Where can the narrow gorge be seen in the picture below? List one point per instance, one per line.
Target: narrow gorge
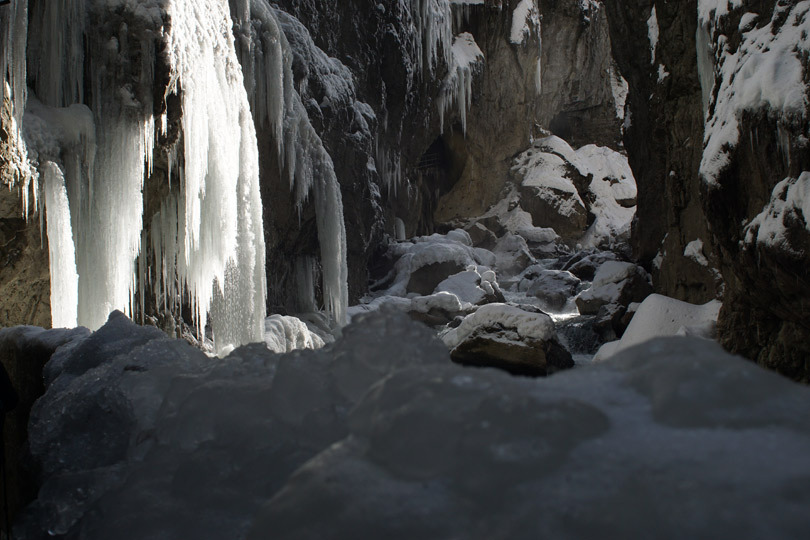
(404, 268)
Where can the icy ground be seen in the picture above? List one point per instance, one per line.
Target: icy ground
(380, 435)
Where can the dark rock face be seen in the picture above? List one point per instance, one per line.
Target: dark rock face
(664, 142)
(573, 97)
(765, 290)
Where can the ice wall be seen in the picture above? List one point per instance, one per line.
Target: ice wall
(219, 237)
(207, 240)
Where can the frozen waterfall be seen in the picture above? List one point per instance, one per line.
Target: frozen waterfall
(207, 239)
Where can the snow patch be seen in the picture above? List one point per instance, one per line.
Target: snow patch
(694, 251)
(659, 316)
(652, 33)
(525, 17)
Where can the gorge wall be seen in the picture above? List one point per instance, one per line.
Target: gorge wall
(718, 145)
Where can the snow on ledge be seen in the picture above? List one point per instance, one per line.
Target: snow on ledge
(790, 196)
(524, 16)
(765, 72)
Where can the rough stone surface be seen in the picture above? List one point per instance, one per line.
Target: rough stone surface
(575, 100)
(484, 349)
(664, 142)
(765, 291)
(25, 284)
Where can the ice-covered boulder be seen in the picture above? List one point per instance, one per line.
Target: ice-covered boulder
(660, 439)
(509, 338)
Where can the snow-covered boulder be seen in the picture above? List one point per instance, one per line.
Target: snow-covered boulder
(509, 338)
(612, 195)
(571, 190)
(472, 287)
(480, 235)
(419, 265)
(436, 309)
(660, 316)
(548, 192)
(543, 241)
(615, 283)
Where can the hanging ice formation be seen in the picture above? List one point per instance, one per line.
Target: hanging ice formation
(13, 91)
(434, 31)
(64, 279)
(267, 64)
(207, 240)
(457, 85)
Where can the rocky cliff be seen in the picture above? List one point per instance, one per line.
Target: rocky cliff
(654, 45)
(718, 144)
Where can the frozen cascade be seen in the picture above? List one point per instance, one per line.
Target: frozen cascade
(208, 240)
(219, 236)
(266, 54)
(457, 85)
(434, 30)
(64, 279)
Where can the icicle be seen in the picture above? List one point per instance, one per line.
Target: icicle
(332, 236)
(64, 279)
(14, 42)
(434, 29)
(305, 297)
(457, 85)
(538, 75)
(13, 91)
(301, 153)
(220, 233)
